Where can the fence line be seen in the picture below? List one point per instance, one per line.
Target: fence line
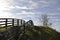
(15, 31)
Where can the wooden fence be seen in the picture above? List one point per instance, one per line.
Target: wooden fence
(11, 28)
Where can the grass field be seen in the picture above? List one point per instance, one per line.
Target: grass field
(5, 28)
(41, 33)
(37, 33)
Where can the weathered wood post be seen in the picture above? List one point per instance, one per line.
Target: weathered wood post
(21, 22)
(6, 23)
(24, 27)
(18, 22)
(23, 30)
(6, 36)
(13, 22)
(17, 30)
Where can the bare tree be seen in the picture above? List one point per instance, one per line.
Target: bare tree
(45, 19)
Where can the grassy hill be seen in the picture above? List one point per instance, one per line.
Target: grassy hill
(38, 33)
(41, 33)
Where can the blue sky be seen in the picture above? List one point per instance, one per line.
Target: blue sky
(32, 10)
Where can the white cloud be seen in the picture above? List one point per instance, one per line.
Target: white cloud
(23, 7)
(24, 12)
(11, 7)
(33, 4)
(45, 3)
(25, 15)
(30, 4)
(4, 5)
(58, 8)
(7, 15)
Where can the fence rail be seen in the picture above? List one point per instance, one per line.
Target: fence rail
(13, 32)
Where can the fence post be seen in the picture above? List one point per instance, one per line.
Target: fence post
(18, 22)
(24, 26)
(6, 36)
(6, 22)
(17, 30)
(21, 22)
(13, 22)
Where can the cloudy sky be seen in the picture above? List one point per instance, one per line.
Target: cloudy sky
(32, 10)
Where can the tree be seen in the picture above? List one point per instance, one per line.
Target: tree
(45, 19)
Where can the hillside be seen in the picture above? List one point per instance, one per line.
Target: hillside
(40, 33)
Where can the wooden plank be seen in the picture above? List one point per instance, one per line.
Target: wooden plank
(6, 22)
(21, 22)
(13, 22)
(9, 23)
(18, 22)
(2, 24)
(7, 18)
(2, 21)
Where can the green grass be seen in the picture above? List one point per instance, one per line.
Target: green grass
(41, 33)
(37, 33)
(5, 28)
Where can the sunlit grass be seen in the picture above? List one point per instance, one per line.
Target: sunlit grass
(8, 28)
(5, 28)
(2, 29)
